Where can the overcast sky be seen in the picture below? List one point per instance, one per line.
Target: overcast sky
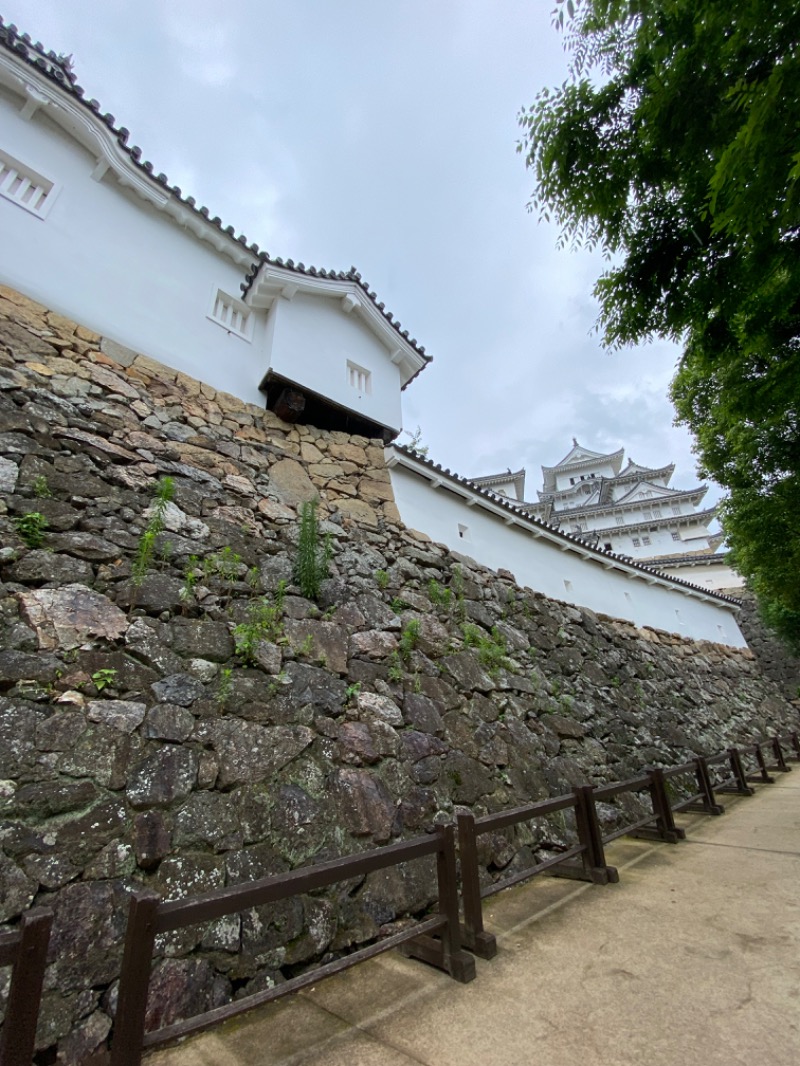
(382, 134)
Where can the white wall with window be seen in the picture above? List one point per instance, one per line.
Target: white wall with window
(101, 255)
(335, 355)
(25, 187)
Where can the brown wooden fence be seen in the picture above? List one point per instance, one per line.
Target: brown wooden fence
(658, 823)
(437, 939)
(25, 951)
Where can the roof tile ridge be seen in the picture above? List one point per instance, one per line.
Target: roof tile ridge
(351, 275)
(508, 505)
(63, 75)
(65, 78)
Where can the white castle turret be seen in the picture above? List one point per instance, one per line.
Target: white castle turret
(628, 509)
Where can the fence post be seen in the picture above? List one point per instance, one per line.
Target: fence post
(794, 740)
(710, 805)
(18, 1039)
(740, 784)
(780, 761)
(594, 857)
(475, 937)
(137, 959)
(762, 765)
(457, 962)
(662, 808)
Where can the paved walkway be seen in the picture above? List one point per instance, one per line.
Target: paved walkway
(694, 957)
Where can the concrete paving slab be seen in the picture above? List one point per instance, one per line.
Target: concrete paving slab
(693, 956)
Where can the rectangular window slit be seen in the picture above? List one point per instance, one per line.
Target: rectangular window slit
(231, 314)
(359, 379)
(24, 187)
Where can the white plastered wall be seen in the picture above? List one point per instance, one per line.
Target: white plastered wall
(714, 576)
(313, 342)
(109, 260)
(561, 574)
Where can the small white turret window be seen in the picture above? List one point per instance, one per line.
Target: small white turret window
(359, 379)
(25, 187)
(231, 314)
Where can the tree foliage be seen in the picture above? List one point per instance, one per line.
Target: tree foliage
(674, 146)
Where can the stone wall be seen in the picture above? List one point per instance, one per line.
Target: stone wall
(773, 656)
(138, 747)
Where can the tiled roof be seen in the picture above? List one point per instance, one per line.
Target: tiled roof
(670, 496)
(58, 69)
(690, 559)
(515, 509)
(502, 478)
(351, 275)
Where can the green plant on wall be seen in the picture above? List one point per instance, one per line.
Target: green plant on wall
(491, 647)
(351, 692)
(305, 649)
(31, 528)
(409, 638)
(146, 548)
(395, 671)
(190, 576)
(314, 552)
(40, 488)
(264, 622)
(224, 687)
(104, 678)
(439, 595)
(226, 565)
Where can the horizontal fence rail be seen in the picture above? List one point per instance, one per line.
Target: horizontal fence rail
(589, 850)
(438, 939)
(703, 798)
(723, 772)
(148, 916)
(25, 951)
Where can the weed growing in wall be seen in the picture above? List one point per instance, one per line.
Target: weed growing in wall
(225, 686)
(313, 552)
(264, 623)
(409, 638)
(491, 648)
(190, 576)
(415, 442)
(40, 488)
(225, 565)
(146, 548)
(31, 528)
(351, 692)
(304, 650)
(395, 672)
(440, 596)
(104, 678)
